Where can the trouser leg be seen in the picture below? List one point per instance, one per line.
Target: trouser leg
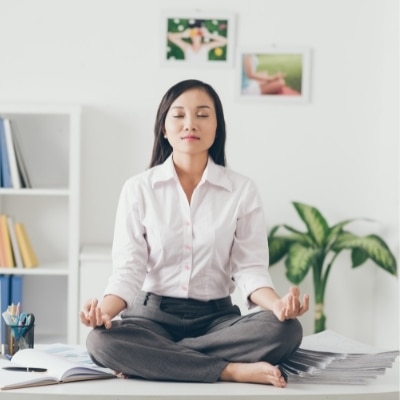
(143, 349)
(254, 337)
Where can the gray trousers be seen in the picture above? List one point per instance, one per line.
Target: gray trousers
(188, 340)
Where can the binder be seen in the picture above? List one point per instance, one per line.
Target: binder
(4, 302)
(15, 289)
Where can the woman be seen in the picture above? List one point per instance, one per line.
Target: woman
(260, 82)
(196, 41)
(188, 230)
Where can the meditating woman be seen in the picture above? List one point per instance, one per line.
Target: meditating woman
(189, 230)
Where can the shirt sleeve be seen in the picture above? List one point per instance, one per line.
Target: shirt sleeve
(249, 255)
(129, 250)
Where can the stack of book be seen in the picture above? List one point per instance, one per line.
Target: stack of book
(16, 249)
(13, 172)
(329, 358)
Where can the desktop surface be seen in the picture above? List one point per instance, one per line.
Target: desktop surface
(385, 387)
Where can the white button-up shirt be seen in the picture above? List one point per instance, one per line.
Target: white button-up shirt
(165, 245)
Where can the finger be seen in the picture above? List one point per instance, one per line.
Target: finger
(294, 306)
(295, 291)
(107, 323)
(306, 304)
(99, 317)
(83, 318)
(280, 311)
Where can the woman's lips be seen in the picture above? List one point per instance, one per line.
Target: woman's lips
(190, 137)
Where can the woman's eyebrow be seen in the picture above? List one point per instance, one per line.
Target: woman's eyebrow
(181, 107)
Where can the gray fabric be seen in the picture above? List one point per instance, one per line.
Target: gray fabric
(193, 343)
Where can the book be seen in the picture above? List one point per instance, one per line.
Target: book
(22, 169)
(14, 243)
(58, 370)
(29, 257)
(5, 165)
(5, 243)
(12, 159)
(330, 358)
(3, 260)
(4, 303)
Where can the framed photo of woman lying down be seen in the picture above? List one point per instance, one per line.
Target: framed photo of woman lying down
(274, 74)
(198, 38)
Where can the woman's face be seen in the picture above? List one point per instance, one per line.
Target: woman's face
(191, 123)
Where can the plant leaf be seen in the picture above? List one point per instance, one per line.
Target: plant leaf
(273, 230)
(372, 245)
(278, 247)
(316, 224)
(301, 237)
(336, 229)
(358, 257)
(298, 262)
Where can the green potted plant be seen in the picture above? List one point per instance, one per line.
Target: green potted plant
(318, 247)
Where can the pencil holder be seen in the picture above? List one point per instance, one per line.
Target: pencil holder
(18, 338)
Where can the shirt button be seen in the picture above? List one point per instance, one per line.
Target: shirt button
(187, 267)
(187, 247)
(184, 288)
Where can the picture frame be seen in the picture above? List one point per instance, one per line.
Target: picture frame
(198, 38)
(274, 74)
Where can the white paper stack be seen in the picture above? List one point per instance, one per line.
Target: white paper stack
(329, 358)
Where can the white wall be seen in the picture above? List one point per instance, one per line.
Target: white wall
(339, 152)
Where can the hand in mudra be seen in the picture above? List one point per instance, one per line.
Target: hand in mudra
(289, 306)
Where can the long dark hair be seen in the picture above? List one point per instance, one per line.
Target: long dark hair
(161, 147)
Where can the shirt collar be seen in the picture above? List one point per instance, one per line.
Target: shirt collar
(215, 174)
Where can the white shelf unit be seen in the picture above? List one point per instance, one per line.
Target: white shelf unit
(49, 137)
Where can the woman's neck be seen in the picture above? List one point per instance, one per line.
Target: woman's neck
(190, 171)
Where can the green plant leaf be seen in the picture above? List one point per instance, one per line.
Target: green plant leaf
(273, 230)
(335, 230)
(316, 224)
(358, 257)
(298, 261)
(300, 237)
(278, 247)
(372, 245)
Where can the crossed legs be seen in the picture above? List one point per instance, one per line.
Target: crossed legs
(233, 348)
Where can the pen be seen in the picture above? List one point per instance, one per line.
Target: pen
(25, 369)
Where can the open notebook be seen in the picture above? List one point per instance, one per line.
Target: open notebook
(58, 369)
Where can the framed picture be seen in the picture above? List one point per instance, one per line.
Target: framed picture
(198, 38)
(274, 74)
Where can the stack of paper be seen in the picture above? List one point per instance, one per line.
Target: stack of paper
(329, 358)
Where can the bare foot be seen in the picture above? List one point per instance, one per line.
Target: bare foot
(120, 375)
(259, 372)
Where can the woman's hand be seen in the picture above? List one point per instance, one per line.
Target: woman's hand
(92, 315)
(289, 306)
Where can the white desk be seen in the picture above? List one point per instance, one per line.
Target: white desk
(384, 388)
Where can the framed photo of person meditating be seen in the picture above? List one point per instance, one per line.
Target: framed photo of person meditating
(274, 74)
(197, 38)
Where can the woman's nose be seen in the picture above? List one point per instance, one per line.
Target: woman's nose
(190, 124)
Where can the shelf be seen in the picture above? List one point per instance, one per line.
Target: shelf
(34, 192)
(49, 139)
(39, 109)
(48, 269)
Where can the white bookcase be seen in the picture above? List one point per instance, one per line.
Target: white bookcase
(49, 137)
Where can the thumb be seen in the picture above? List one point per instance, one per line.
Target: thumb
(279, 311)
